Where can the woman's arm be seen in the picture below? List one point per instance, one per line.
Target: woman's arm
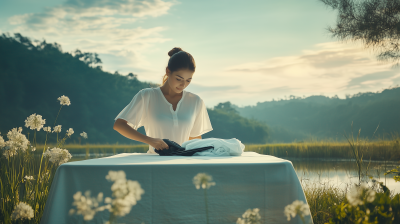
(199, 137)
(121, 126)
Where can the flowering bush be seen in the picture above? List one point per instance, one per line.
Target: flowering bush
(364, 205)
(25, 175)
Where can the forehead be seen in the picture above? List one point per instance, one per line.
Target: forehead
(184, 73)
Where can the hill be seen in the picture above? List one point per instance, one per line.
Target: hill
(321, 117)
(34, 74)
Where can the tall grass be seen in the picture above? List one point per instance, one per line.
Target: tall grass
(377, 150)
(383, 150)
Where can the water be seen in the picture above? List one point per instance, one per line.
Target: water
(338, 173)
(342, 173)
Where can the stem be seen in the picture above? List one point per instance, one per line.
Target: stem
(205, 197)
(57, 116)
(112, 218)
(40, 166)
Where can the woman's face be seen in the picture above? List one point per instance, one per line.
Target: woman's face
(179, 80)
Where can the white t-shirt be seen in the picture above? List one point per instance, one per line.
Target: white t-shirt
(150, 108)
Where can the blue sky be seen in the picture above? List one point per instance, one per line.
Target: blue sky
(246, 51)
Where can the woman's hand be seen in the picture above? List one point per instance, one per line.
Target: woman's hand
(158, 144)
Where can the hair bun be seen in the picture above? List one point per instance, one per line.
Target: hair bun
(174, 51)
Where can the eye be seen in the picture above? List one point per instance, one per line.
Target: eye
(178, 79)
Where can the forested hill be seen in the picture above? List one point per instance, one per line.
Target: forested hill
(323, 117)
(34, 74)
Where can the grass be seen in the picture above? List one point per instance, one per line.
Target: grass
(387, 150)
(379, 150)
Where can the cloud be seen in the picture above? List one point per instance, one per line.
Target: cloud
(101, 26)
(330, 69)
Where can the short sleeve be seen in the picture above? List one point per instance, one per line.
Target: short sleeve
(134, 113)
(202, 123)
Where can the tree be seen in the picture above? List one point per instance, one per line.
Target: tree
(88, 58)
(227, 107)
(374, 22)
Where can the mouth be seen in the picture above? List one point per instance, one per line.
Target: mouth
(178, 89)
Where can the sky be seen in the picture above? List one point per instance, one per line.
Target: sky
(245, 51)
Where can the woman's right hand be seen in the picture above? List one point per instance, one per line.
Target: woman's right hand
(158, 144)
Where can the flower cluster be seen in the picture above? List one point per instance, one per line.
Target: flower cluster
(126, 193)
(251, 216)
(2, 142)
(57, 155)
(22, 211)
(57, 129)
(35, 122)
(84, 135)
(28, 178)
(297, 208)
(47, 129)
(16, 141)
(64, 100)
(356, 195)
(203, 180)
(70, 131)
(87, 206)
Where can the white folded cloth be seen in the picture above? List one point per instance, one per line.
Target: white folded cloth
(222, 147)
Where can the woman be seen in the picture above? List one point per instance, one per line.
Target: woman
(168, 111)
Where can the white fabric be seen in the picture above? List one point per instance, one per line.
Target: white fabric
(222, 147)
(242, 182)
(150, 108)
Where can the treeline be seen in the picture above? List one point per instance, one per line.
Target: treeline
(34, 74)
(320, 117)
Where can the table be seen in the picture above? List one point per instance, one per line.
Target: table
(242, 182)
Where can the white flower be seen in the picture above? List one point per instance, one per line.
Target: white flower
(35, 122)
(203, 180)
(64, 100)
(47, 129)
(57, 129)
(297, 208)
(33, 149)
(126, 193)
(70, 131)
(251, 216)
(28, 178)
(84, 135)
(22, 211)
(87, 206)
(2, 143)
(355, 195)
(16, 141)
(57, 155)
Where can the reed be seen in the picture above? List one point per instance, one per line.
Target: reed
(385, 150)
(321, 197)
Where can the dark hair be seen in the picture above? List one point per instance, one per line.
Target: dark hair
(178, 60)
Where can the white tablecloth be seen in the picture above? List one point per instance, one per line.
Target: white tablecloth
(242, 182)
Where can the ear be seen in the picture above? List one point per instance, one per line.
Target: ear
(167, 71)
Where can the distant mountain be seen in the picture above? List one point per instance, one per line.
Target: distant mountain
(321, 117)
(34, 74)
